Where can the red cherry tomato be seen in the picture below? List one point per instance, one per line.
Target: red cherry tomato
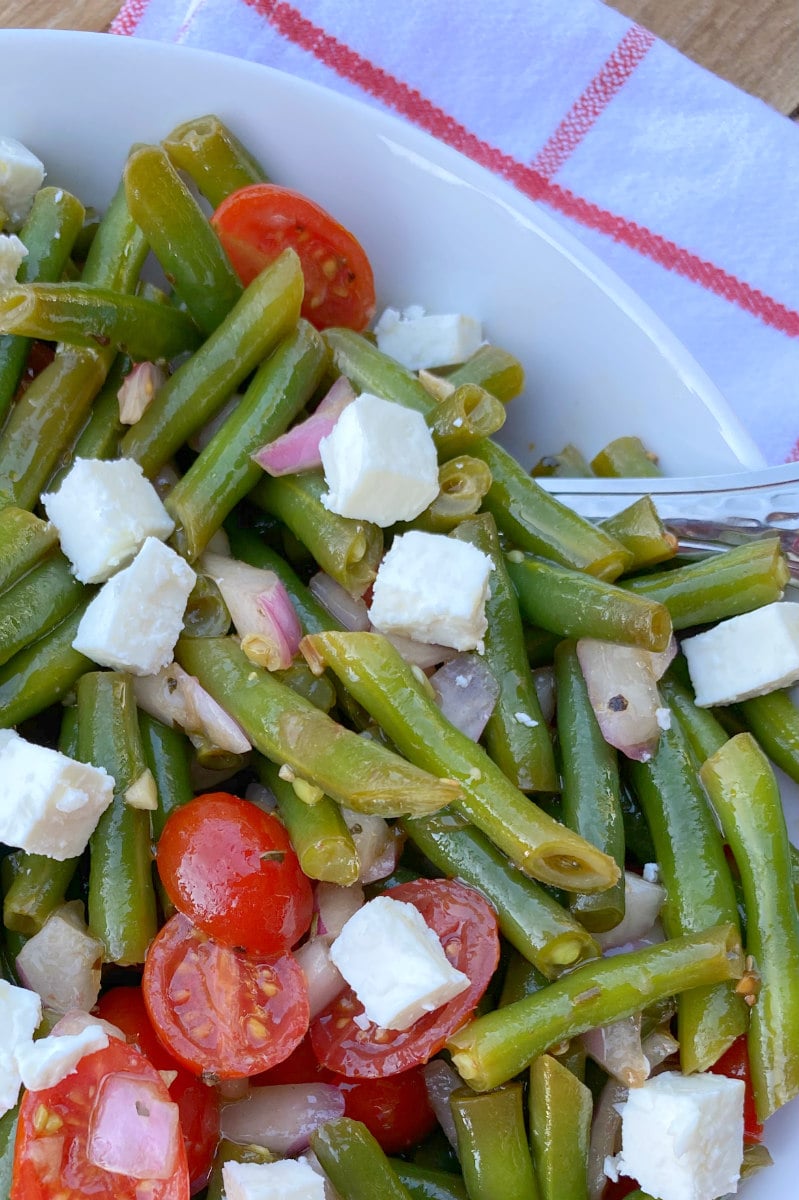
(50, 1153)
(617, 1191)
(198, 1103)
(735, 1063)
(467, 927)
(220, 1012)
(231, 869)
(301, 1066)
(256, 223)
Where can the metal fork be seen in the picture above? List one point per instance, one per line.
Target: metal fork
(705, 513)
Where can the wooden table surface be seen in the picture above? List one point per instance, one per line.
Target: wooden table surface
(753, 43)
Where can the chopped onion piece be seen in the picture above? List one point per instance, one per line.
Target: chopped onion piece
(350, 611)
(441, 1079)
(544, 682)
(258, 793)
(617, 1049)
(321, 974)
(138, 390)
(282, 1117)
(298, 448)
(177, 698)
(420, 654)
(466, 691)
(642, 904)
(260, 608)
(45, 1155)
(605, 1140)
(662, 659)
(143, 792)
(377, 844)
(334, 906)
(76, 1020)
(438, 386)
(623, 692)
(62, 961)
(133, 1130)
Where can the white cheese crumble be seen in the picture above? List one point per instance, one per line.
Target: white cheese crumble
(422, 340)
(286, 1179)
(21, 176)
(745, 656)
(12, 252)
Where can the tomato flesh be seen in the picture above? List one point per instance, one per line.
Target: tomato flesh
(735, 1063)
(50, 1153)
(231, 869)
(198, 1103)
(467, 928)
(219, 1012)
(256, 223)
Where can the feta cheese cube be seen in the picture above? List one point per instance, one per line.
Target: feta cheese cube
(49, 803)
(286, 1179)
(45, 1063)
(12, 252)
(682, 1136)
(22, 1012)
(21, 176)
(380, 462)
(135, 619)
(395, 963)
(432, 588)
(419, 340)
(103, 512)
(745, 656)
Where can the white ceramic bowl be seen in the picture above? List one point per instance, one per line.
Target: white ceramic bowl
(440, 231)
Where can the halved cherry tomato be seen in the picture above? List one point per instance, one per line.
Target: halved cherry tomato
(198, 1103)
(219, 1012)
(735, 1063)
(621, 1188)
(467, 927)
(231, 869)
(50, 1154)
(256, 223)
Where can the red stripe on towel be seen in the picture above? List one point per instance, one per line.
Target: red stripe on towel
(128, 17)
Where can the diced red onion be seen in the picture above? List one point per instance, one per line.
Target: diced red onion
(298, 448)
(62, 961)
(350, 611)
(544, 681)
(377, 844)
(46, 1154)
(133, 1130)
(642, 904)
(662, 659)
(260, 794)
(76, 1020)
(203, 435)
(420, 654)
(283, 1117)
(441, 1079)
(321, 975)
(467, 692)
(658, 1046)
(315, 1165)
(617, 1049)
(624, 696)
(605, 1135)
(177, 698)
(233, 1089)
(334, 906)
(138, 390)
(260, 608)
(165, 479)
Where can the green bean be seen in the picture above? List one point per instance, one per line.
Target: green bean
(493, 1048)
(494, 369)
(516, 734)
(774, 721)
(626, 456)
(571, 463)
(318, 832)
(99, 437)
(373, 672)
(699, 889)
(122, 911)
(224, 472)
(228, 1151)
(425, 1183)
(529, 918)
(540, 646)
(84, 315)
(573, 604)
(206, 613)
(36, 604)
(468, 414)
(354, 1163)
(492, 1144)
(521, 979)
(529, 516)
(167, 753)
(746, 799)
(723, 585)
(249, 547)
(639, 528)
(268, 309)
(181, 237)
(318, 689)
(589, 787)
(289, 730)
(703, 732)
(347, 549)
(24, 541)
(118, 250)
(48, 235)
(462, 484)
(43, 673)
(214, 158)
(561, 1108)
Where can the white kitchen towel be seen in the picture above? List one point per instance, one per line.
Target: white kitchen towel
(686, 186)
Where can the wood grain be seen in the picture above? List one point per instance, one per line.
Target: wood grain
(58, 14)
